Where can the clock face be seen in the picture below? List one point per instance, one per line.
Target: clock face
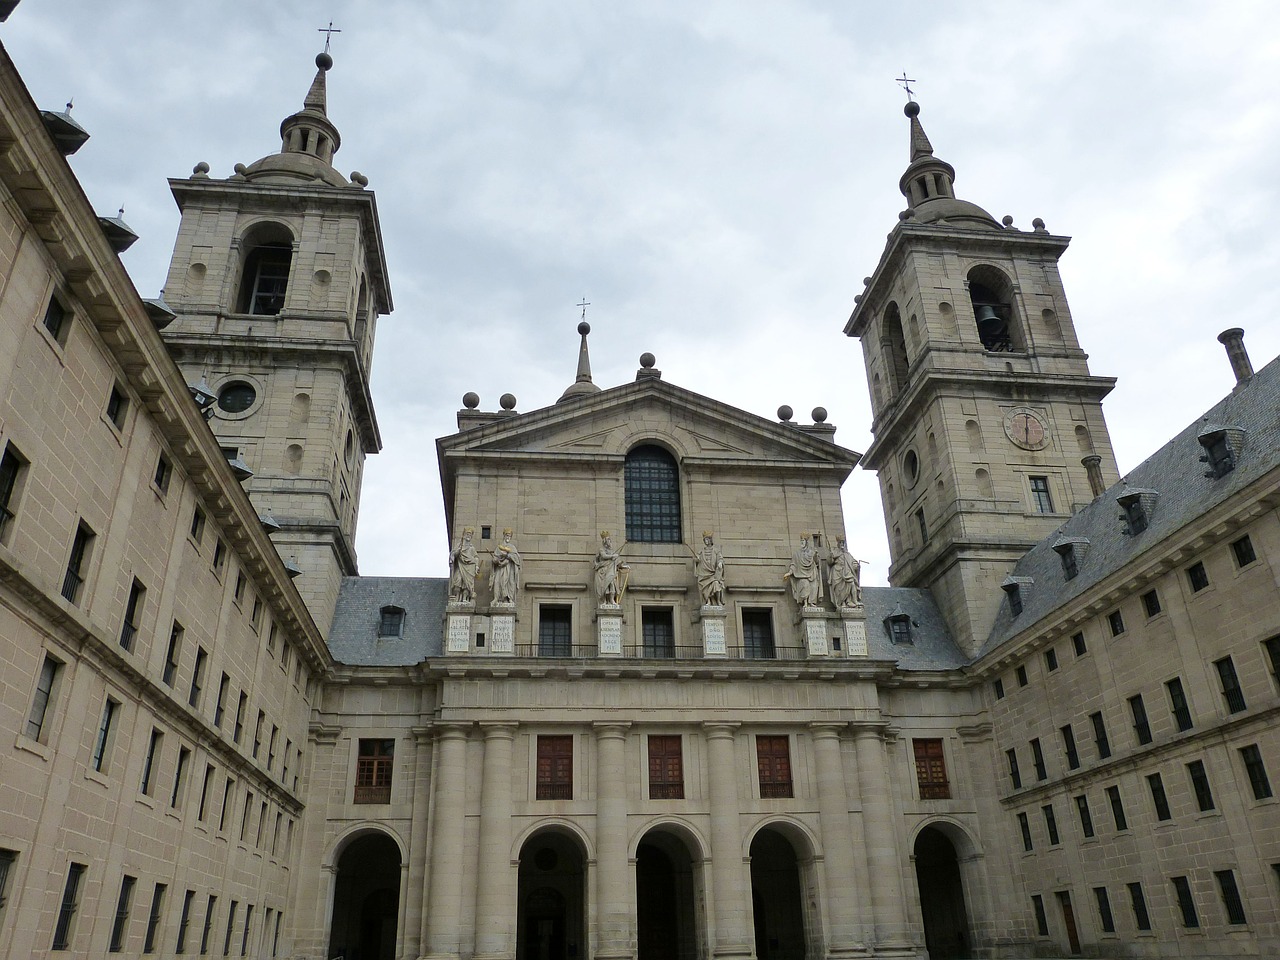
(1026, 429)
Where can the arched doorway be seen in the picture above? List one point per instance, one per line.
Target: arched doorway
(366, 900)
(551, 910)
(946, 928)
(667, 901)
(776, 899)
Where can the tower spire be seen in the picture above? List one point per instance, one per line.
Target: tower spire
(582, 385)
(310, 131)
(929, 183)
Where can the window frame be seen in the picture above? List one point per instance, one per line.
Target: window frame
(931, 768)
(124, 904)
(13, 472)
(78, 561)
(658, 632)
(1159, 798)
(773, 766)
(1243, 552)
(56, 319)
(1041, 498)
(666, 766)
(555, 630)
(375, 770)
(72, 891)
(553, 771)
(653, 511)
(762, 645)
(45, 695)
(1256, 770)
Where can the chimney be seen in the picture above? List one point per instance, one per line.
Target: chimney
(1233, 340)
(1093, 467)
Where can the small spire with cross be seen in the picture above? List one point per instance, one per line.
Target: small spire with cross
(328, 32)
(584, 304)
(905, 82)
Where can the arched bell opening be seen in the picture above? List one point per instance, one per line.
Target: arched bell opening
(366, 900)
(991, 295)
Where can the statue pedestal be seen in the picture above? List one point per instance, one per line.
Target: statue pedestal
(502, 629)
(609, 630)
(457, 632)
(814, 625)
(854, 620)
(713, 643)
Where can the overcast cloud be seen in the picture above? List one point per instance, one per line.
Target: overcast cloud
(716, 178)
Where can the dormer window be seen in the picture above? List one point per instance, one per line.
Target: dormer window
(1217, 454)
(899, 626)
(391, 622)
(1071, 551)
(1012, 587)
(1134, 516)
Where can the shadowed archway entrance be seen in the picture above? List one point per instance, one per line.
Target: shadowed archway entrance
(776, 899)
(366, 900)
(551, 899)
(667, 901)
(946, 928)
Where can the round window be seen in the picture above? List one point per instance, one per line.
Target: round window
(911, 464)
(350, 446)
(236, 397)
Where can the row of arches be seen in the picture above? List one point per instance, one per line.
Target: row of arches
(552, 905)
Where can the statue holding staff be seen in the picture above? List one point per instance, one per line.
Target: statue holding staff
(709, 567)
(505, 576)
(610, 581)
(806, 583)
(464, 563)
(844, 575)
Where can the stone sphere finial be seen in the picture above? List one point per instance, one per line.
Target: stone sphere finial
(324, 61)
(785, 413)
(912, 109)
(200, 168)
(471, 399)
(584, 328)
(647, 360)
(240, 168)
(359, 178)
(819, 414)
(906, 214)
(508, 401)
(1038, 223)
(1007, 220)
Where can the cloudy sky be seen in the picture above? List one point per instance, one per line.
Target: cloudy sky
(716, 178)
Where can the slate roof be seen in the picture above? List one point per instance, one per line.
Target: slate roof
(931, 647)
(1183, 492)
(353, 638)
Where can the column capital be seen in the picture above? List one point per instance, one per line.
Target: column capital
(451, 730)
(498, 729)
(611, 729)
(870, 729)
(717, 729)
(827, 729)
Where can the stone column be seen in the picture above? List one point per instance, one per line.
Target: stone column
(615, 910)
(730, 878)
(880, 839)
(495, 876)
(837, 843)
(443, 906)
(417, 878)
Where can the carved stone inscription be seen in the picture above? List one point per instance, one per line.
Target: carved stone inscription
(459, 634)
(504, 634)
(610, 636)
(712, 637)
(855, 637)
(815, 635)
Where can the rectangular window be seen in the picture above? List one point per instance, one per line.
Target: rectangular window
(255, 617)
(1037, 757)
(1155, 783)
(219, 708)
(1024, 825)
(257, 734)
(238, 596)
(757, 634)
(555, 630)
(231, 925)
(284, 762)
(248, 925)
(1272, 647)
(271, 747)
(275, 833)
(153, 918)
(1070, 566)
(1042, 919)
(132, 614)
(70, 904)
(197, 524)
(1050, 824)
(1197, 577)
(1021, 674)
(240, 711)
(179, 776)
(658, 632)
(207, 931)
(219, 555)
(555, 768)
(245, 815)
(1256, 770)
(1178, 704)
(923, 526)
(374, 765)
(1151, 603)
(1086, 818)
(1141, 726)
(262, 822)
(7, 860)
(666, 767)
(171, 654)
(102, 744)
(1231, 901)
(78, 562)
(184, 919)
(1242, 549)
(1040, 495)
(57, 319)
(997, 686)
(1200, 784)
(1115, 620)
(1117, 808)
(931, 770)
(1051, 660)
(1139, 903)
(1231, 691)
(149, 764)
(204, 791)
(164, 470)
(1100, 735)
(1105, 919)
(275, 936)
(227, 789)
(773, 758)
(1014, 775)
(11, 470)
(1069, 747)
(197, 678)
(117, 406)
(1078, 644)
(42, 700)
(121, 922)
(1186, 902)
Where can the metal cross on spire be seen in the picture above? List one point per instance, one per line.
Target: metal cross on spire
(906, 82)
(328, 32)
(584, 304)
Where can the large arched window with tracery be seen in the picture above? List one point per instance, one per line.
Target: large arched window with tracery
(653, 495)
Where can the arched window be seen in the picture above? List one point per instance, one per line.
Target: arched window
(653, 496)
(894, 348)
(265, 277)
(992, 297)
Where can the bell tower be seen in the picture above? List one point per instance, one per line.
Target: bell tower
(986, 419)
(277, 279)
